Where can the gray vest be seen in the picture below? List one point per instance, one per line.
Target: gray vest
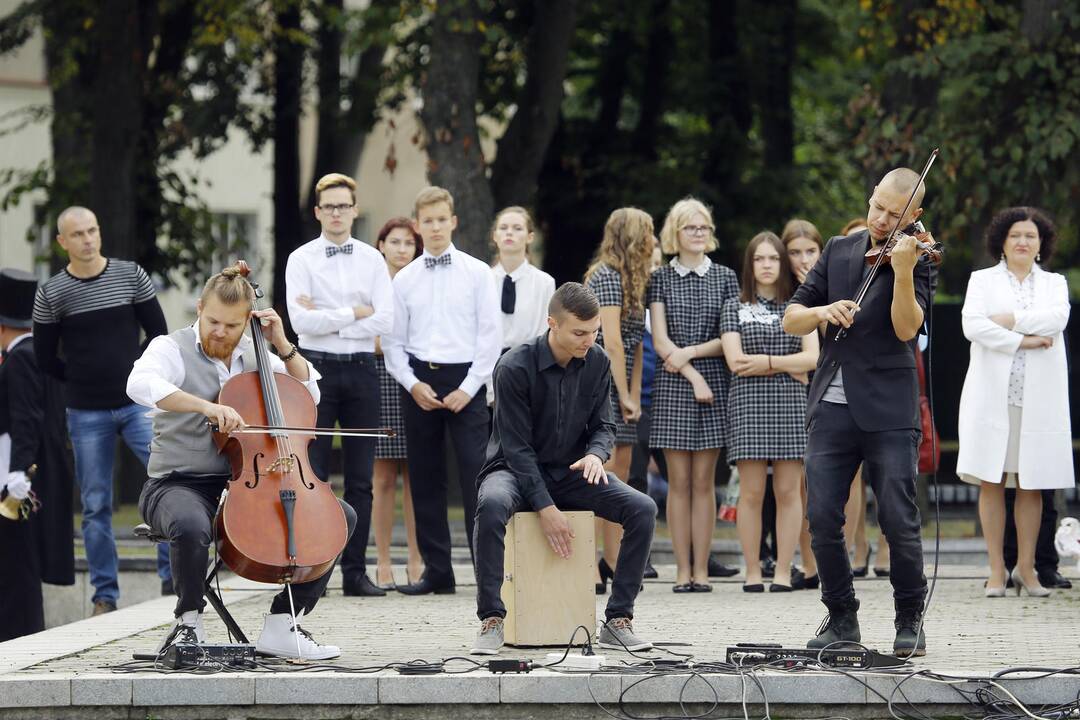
(182, 441)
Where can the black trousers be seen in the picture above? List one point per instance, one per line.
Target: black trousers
(182, 509)
(1046, 556)
(835, 448)
(21, 608)
(350, 397)
(425, 431)
(500, 498)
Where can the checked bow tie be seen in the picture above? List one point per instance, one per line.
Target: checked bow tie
(333, 250)
(430, 262)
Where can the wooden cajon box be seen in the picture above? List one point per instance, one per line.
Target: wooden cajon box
(547, 597)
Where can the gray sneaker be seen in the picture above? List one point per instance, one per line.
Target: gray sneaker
(618, 634)
(490, 638)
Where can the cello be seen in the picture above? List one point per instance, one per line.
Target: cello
(277, 522)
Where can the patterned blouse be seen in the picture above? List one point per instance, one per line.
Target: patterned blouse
(1024, 292)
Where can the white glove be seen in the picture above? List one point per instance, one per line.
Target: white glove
(18, 485)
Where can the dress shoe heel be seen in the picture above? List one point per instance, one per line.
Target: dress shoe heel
(863, 569)
(995, 592)
(1032, 590)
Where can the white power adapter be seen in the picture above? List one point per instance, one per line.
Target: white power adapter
(575, 661)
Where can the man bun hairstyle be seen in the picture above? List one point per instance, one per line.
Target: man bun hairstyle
(229, 286)
(575, 299)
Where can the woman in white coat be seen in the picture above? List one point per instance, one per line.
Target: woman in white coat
(1014, 314)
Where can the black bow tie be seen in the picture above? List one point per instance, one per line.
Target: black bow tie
(430, 262)
(333, 250)
(509, 295)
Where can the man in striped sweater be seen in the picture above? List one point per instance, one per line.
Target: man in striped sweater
(87, 321)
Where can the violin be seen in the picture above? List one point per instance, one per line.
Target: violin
(277, 521)
(882, 255)
(928, 253)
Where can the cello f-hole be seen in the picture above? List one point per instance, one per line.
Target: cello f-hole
(300, 467)
(255, 469)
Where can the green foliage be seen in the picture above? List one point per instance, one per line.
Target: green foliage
(1003, 106)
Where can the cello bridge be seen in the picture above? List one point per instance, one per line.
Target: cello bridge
(283, 464)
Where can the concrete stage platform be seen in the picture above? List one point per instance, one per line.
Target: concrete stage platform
(72, 671)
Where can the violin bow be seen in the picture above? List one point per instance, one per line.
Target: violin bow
(865, 286)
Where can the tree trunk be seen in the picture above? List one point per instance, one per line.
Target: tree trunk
(1039, 21)
(776, 58)
(117, 124)
(651, 99)
(524, 144)
(288, 70)
(726, 101)
(455, 160)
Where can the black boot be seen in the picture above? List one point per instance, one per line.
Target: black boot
(908, 622)
(840, 625)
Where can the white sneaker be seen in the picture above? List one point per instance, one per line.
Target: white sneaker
(187, 628)
(278, 639)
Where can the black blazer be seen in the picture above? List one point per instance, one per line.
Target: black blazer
(879, 377)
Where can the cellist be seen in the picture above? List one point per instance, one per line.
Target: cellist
(180, 375)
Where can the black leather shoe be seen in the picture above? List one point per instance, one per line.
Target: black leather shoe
(650, 572)
(841, 625)
(719, 569)
(361, 585)
(426, 587)
(1054, 579)
(907, 643)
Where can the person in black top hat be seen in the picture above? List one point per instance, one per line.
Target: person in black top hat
(35, 546)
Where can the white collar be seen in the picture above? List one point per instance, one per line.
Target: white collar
(16, 341)
(327, 241)
(701, 270)
(1035, 269)
(519, 271)
(449, 249)
(241, 346)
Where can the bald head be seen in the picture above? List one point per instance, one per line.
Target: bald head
(73, 213)
(902, 181)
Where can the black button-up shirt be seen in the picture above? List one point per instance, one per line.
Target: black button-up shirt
(548, 417)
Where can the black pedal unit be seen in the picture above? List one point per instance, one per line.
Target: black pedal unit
(181, 656)
(751, 654)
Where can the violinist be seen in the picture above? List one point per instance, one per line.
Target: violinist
(180, 376)
(863, 405)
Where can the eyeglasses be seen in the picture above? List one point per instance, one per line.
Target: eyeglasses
(334, 209)
(697, 229)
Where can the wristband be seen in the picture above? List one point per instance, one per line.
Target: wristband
(287, 358)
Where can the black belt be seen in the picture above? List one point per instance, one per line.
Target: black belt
(425, 364)
(338, 357)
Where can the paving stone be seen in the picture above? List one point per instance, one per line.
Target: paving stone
(26, 690)
(100, 690)
(438, 689)
(194, 690)
(548, 687)
(321, 689)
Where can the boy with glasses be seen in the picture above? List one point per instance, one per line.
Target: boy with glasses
(340, 299)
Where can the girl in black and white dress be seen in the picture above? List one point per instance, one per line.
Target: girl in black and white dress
(618, 275)
(689, 417)
(766, 404)
(400, 244)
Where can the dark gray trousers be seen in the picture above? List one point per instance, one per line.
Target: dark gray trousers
(499, 498)
(182, 510)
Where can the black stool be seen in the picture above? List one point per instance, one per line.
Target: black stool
(144, 531)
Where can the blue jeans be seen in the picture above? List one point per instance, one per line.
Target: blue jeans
(93, 440)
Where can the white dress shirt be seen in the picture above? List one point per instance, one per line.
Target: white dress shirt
(533, 288)
(446, 314)
(160, 371)
(337, 284)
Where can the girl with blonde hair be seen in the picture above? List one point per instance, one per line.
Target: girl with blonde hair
(689, 403)
(618, 276)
